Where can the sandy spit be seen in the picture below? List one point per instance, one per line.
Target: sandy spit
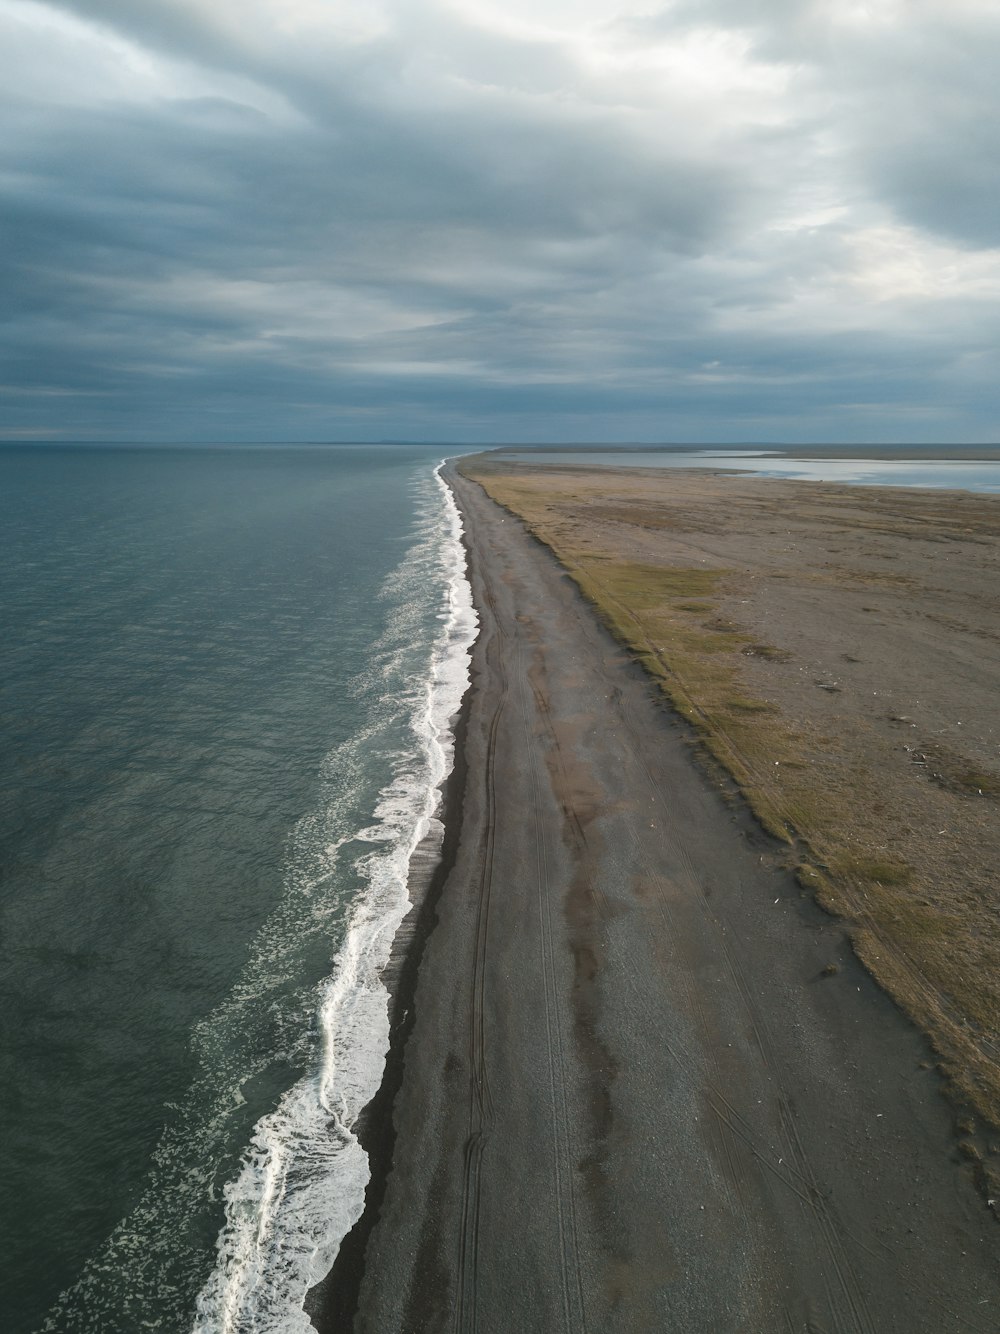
(629, 1098)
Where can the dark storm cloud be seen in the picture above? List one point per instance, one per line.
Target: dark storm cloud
(307, 221)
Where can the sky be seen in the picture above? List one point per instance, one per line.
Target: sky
(500, 220)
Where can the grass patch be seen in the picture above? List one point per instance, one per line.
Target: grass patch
(876, 870)
(971, 782)
(767, 651)
(648, 586)
(743, 704)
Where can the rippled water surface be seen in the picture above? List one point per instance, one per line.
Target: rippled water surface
(215, 664)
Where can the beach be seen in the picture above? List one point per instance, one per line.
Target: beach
(640, 1078)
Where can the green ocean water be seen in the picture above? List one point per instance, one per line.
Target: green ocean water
(215, 667)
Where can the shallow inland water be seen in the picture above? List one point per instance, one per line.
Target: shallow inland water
(970, 475)
(226, 680)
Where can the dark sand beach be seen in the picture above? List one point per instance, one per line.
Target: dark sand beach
(646, 1084)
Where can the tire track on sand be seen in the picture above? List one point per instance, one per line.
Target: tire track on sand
(847, 1299)
(574, 1306)
(852, 1312)
(504, 663)
(481, 1110)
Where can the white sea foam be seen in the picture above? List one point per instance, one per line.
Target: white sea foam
(301, 1184)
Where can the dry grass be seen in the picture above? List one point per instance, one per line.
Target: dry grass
(941, 964)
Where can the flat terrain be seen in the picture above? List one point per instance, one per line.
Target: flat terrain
(648, 1085)
(838, 649)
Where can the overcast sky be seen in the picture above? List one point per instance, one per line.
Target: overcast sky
(706, 220)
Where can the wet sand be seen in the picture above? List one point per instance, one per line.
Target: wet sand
(630, 1099)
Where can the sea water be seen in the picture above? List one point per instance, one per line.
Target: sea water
(228, 681)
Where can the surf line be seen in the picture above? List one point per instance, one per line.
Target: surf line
(301, 1185)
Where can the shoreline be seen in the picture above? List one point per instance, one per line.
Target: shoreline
(331, 1304)
(609, 1174)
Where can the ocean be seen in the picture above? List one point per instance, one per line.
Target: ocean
(228, 677)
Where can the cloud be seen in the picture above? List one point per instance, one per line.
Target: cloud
(771, 219)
